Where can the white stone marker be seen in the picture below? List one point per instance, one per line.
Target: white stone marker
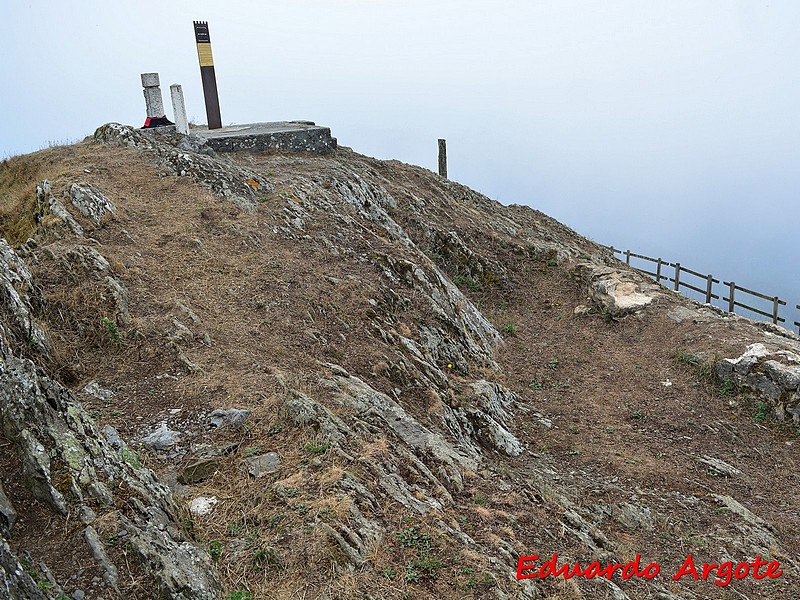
(179, 109)
(152, 95)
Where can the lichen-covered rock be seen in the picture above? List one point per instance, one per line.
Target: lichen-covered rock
(19, 295)
(90, 202)
(68, 464)
(8, 516)
(773, 374)
(15, 583)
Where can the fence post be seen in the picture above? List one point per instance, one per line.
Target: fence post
(731, 305)
(627, 257)
(443, 158)
(677, 276)
(797, 322)
(708, 288)
(658, 271)
(775, 310)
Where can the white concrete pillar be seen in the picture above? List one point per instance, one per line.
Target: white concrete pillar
(179, 109)
(152, 95)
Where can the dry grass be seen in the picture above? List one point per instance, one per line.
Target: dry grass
(266, 307)
(18, 178)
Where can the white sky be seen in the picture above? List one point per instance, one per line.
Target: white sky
(670, 128)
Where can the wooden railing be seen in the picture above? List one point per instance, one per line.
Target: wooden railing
(706, 288)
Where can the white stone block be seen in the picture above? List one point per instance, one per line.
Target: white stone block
(179, 109)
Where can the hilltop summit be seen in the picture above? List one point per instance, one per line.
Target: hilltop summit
(277, 375)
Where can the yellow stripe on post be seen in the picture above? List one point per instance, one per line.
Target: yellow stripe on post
(204, 54)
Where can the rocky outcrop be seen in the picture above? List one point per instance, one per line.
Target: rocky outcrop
(90, 202)
(614, 292)
(243, 187)
(70, 467)
(772, 374)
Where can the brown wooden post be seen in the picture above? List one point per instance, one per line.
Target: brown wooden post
(709, 283)
(658, 271)
(443, 158)
(677, 277)
(627, 257)
(731, 305)
(797, 322)
(207, 74)
(775, 301)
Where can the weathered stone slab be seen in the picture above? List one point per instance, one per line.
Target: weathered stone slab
(287, 136)
(265, 464)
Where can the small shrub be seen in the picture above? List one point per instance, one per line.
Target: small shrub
(389, 573)
(240, 595)
(481, 499)
(112, 331)
(509, 329)
(315, 448)
(762, 412)
(688, 358)
(536, 385)
(130, 457)
(412, 538)
(425, 565)
(728, 387)
(215, 549)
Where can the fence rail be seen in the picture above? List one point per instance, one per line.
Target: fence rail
(707, 289)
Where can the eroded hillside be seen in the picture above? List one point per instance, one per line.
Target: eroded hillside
(355, 379)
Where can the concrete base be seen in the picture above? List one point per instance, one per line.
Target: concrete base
(287, 136)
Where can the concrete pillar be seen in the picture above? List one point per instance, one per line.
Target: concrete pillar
(152, 95)
(179, 109)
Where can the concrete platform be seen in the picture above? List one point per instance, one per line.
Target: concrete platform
(287, 136)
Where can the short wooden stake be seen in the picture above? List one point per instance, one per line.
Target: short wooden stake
(677, 277)
(443, 158)
(731, 305)
(709, 283)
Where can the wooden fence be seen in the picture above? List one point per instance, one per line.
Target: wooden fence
(704, 285)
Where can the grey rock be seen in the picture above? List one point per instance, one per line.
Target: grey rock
(110, 573)
(119, 293)
(303, 410)
(719, 467)
(188, 311)
(93, 389)
(198, 471)
(15, 582)
(113, 437)
(161, 439)
(44, 199)
(632, 516)
(78, 595)
(18, 294)
(264, 464)
(88, 258)
(787, 377)
(772, 374)
(90, 202)
(86, 515)
(615, 292)
(232, 416)
(180, 569)
(8, 516)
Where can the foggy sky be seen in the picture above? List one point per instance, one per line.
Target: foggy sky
(669, 128)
